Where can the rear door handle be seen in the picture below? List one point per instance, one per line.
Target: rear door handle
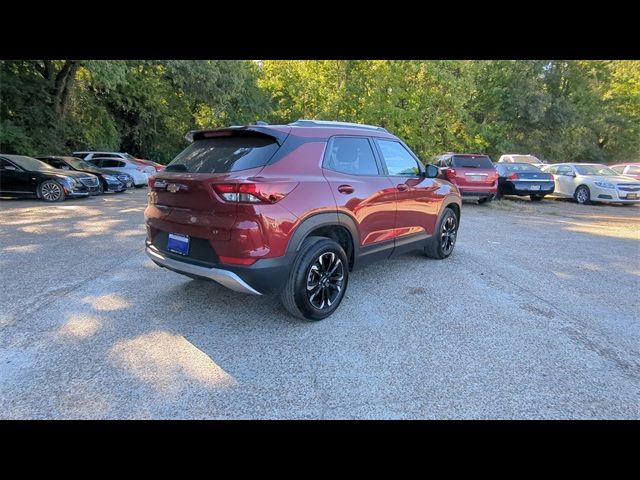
(345, 189)
(402, 187)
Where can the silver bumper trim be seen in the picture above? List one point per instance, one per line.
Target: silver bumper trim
(223, 277)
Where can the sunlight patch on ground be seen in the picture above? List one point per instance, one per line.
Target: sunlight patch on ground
(130, 233)
(80, 326)
(107, 302)
(631, 232)
(165, 361)
(135, 209)
(562, 274)
(32, 247)
(88, 229)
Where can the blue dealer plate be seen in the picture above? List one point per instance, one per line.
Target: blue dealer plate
(178, 244)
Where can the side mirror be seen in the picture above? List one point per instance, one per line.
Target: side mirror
(431, 171)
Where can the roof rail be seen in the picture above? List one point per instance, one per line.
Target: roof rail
(333, 124)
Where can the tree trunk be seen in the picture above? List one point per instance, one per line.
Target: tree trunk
(63, 84)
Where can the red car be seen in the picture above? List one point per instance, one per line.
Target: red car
(474, 174)
(628, 169)
(292, 209)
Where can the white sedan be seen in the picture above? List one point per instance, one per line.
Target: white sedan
(592, 182)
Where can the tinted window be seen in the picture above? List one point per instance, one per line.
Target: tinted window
(109, 163)
(564, 170)
(225, 154)
(524, 159)
(3, 163)
(472, 161)
(351, 155)
(595, 170)
(398, 160)
(28, 163)
(56, 163)
(80, 155)
(520, 167)
(551, 170)
(618, 169)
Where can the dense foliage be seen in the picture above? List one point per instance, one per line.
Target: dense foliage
(557, 110)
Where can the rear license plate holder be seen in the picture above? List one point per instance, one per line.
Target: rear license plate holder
(179, 244)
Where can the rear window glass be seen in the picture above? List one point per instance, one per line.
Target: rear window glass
(520, 167)
(633, 170)
(225, 154)
(472, 161)
(525, 159)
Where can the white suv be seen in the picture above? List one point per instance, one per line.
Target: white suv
(89, 155)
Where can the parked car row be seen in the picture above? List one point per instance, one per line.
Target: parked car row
(53, 178)
(477, 176)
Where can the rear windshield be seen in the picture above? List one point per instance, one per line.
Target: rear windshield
(472, 161)
(519, 167)
(225, 154)
(525, 159)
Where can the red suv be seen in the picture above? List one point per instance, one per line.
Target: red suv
(292, 209)
(474, 174)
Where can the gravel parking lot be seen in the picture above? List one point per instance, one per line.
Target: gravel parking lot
(535, 315)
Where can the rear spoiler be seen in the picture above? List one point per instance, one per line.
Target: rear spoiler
(278, 135)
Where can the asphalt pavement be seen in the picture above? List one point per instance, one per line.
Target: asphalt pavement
(535, 315)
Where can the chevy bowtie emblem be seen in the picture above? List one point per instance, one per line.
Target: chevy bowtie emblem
(173, 188)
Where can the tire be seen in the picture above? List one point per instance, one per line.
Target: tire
(317, 255)
(101, 188)
(51, 191)
(484, 200)
(582, 195)
(536, 198)
(498, 195)
(442, 241)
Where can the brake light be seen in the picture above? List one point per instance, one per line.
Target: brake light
(450, 172)
(254, 192)
(513, 176)
(151, 181)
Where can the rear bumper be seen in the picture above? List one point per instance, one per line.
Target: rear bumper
(524, 188)
(478, 193)
(223, 277)
(267, 275)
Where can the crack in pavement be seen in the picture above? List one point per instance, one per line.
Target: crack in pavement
(601, 347)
